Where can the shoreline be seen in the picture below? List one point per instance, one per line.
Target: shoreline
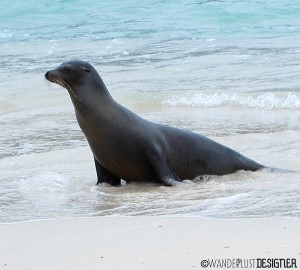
(144, 242)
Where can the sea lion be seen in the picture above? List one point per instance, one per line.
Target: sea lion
(126, 146)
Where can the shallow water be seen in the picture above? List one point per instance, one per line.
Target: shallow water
(45, 182)
(228, 70)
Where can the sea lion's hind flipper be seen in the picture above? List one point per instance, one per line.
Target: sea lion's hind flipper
(104, 175)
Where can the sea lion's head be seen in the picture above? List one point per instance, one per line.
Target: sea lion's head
(71, 75)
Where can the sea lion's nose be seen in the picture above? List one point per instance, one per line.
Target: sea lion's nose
(47, 74)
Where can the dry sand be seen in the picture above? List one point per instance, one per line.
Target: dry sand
(143, 242)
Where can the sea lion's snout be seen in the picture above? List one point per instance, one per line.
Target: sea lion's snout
(53, 76)
(49, 76)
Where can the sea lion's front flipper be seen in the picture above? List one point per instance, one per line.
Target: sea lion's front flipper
(105, 176)
(163, 171)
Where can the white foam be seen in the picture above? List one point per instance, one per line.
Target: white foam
(46, 182)
(266, 100)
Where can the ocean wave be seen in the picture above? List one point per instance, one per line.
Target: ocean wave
(267, 101)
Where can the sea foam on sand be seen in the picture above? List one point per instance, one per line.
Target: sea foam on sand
(144, 242)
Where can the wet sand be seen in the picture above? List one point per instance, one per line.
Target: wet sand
(143, 242)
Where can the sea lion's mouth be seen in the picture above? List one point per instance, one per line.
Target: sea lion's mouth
(49, 76)
(54, 78)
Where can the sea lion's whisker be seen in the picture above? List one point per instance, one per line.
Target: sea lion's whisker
(48, 84)
(63, 83)
(68, 86)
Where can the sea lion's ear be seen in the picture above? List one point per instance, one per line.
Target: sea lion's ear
(86, 70)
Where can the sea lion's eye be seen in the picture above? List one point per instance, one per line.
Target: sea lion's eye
(86, 70)
(66, 69)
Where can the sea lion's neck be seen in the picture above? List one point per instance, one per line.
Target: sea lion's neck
(93, 105)
(92, 95)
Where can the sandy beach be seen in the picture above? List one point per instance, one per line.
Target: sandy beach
(144, 242)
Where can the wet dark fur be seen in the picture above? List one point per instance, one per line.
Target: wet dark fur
(126, 146)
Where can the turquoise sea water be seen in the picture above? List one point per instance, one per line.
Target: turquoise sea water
(227, 69)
